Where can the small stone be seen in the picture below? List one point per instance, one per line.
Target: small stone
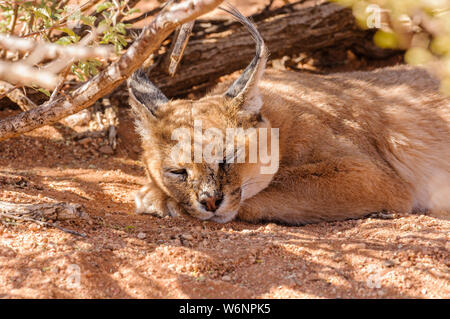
(33, 227)
(187, 236)
(388, 263)
(406, 264)
(85, 141)
(226, 278)
(106, 150)
(141, 235)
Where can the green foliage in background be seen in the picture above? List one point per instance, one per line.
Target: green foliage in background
(422, 27)
(54, 21)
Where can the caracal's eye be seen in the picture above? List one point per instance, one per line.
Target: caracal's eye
(178, 172)
(224, 166)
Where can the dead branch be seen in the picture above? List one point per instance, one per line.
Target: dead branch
(42, 214)
(174, 14)
(46, 211)
(178, 46)
(51, 50)
(21, 73)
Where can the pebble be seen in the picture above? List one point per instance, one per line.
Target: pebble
(106, 150)
(406, 264)
(388, 263)
(187, 236)
(226, 278)
(33, 227)
(85, 141)
(141, 235)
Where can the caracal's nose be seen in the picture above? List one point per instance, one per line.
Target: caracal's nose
(210, 203)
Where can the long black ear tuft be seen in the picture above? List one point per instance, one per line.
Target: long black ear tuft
(144, 95)
(244, 91)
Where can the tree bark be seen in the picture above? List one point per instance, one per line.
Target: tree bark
(220, 47)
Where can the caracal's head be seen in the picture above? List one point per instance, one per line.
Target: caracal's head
(208, 154)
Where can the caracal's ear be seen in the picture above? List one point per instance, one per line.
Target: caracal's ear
(244, 91)
(145, 97)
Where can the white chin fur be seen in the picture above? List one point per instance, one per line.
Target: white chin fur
(224, 219)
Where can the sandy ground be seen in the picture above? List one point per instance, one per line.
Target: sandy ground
(126, 255)
(129, 256)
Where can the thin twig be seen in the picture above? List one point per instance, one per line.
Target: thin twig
(176, 51)
(52, 50)
(14, 87)
(86, 6)
(61, 82)
(42, 223)
(14, 18)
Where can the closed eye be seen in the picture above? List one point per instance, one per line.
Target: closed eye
(177, 172)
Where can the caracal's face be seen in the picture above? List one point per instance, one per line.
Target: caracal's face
(212, 184)
(187, 143)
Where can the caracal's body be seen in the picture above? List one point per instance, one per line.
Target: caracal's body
(350, 144)
(355, 143)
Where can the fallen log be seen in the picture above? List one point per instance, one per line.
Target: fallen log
(220, 47)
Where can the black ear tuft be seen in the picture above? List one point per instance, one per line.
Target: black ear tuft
(144, 94)
(244, 91)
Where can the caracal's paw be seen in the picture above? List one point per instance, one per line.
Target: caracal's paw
(151, 200)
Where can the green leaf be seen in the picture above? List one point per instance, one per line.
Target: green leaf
(68, 31)
(88, 20)
(46, 92)
(103, 6)
(135, 10)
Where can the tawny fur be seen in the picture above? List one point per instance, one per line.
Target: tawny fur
(351, 144)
